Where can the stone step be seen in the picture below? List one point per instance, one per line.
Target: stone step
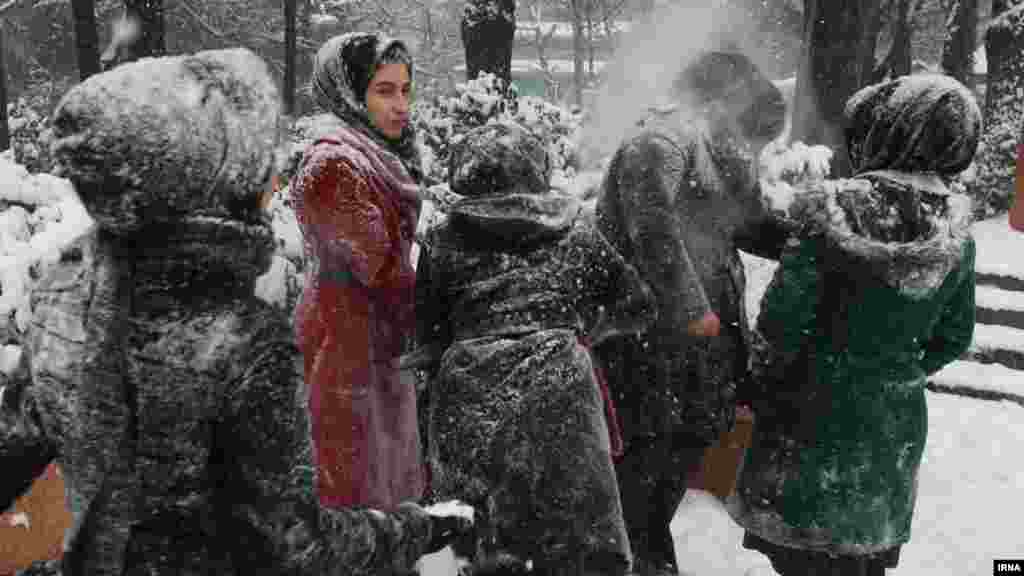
(997, 344)
(999, 280)
(978, 380)
(999, 307)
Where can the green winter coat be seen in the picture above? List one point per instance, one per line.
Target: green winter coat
(870, 301)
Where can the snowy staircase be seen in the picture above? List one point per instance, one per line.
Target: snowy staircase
(993, 367)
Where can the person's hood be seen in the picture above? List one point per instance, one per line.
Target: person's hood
(502, 173)
(516, 219)
(906, 230)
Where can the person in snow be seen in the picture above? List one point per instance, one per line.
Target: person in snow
(515, 287)
(678, 200)
(357, 202)
(876, 294)
(170, 395)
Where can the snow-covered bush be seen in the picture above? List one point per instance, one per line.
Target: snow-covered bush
(785, 168)
(442, 121)
(39, 216)
(29, 136)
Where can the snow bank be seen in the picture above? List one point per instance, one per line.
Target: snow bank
(976, 376)
(785, 168)
(708, 541)
(39, 216)
(999, 248)
(969, 507)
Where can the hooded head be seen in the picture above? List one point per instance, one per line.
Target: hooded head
(927, 123)
(735, 94)
(502, 171)
(176, 153)
(897, 216)
(343, 71)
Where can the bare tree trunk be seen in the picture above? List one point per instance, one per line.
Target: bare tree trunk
(837, 35)
(289, 56)
(961, 41)
(150, 16)
(488, 30)
(5, 130)
(897, 61)
(87, 41)
(1004, 106)
(577, 51)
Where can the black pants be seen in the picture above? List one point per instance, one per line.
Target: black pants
(795, 562)
(652, 481)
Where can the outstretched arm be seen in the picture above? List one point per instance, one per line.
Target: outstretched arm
(647, 173)
(764, 234)
(264, 440)
(610, 285)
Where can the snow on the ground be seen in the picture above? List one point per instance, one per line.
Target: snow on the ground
(968, 508)
(993, 377)
(969, 495)
(993, 298)
(999, 251)
(989, 336)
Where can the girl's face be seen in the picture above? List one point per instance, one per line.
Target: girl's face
(387, 99)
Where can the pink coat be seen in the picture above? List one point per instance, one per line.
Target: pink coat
(358, 208)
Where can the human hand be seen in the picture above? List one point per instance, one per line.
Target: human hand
(707, 325)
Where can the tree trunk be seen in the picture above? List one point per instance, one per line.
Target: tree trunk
(5, 130)
(1004, 107)
(590, 41)
(488, 30)
(837, 37)
(961, 41)
(289, 56)
(87, 41)
(577, 51)
(150, 17)
(897, 61)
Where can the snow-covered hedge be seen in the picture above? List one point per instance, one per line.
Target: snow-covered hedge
(443, 121)
(30, 132)
(784, 168)
(39, 216)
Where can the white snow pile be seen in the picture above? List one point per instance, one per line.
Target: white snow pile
(443, 121)
(785, 169)
(39, 216)
(30, 132)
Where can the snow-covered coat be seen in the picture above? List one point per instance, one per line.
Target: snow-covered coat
(170, 395)
(875, 295)
(678, 202)
(510, 288)
(357, 206)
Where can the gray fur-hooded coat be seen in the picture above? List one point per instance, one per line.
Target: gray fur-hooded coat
(172, 397)
(510, 289)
